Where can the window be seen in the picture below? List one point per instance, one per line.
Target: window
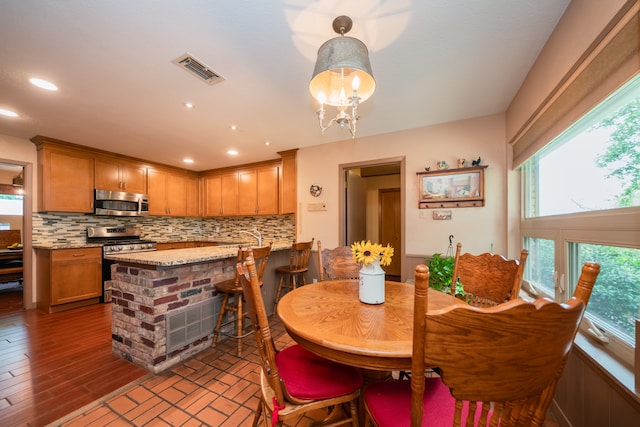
(10, 204)
(581, 203)
(540, 265)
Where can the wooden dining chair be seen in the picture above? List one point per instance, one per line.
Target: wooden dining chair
(497, 364)
(233, 298)
(293, 274)
(337, 263)
(488, 279)
(295, 381)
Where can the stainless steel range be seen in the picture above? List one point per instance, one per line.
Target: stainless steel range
(118, 240)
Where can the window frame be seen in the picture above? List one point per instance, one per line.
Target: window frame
(614, 227)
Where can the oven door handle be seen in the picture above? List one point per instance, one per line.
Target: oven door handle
(139, 205)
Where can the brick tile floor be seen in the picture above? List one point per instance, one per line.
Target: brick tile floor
(214, 388)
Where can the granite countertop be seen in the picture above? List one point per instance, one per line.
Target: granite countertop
(175, 257)
(67, 245)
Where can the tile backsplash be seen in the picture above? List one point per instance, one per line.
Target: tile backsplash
(71, 229)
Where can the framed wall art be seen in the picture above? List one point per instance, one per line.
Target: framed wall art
(452, 188)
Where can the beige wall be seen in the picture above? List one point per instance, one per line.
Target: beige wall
(477, 228)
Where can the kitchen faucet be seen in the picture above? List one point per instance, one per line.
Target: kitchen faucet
(257, 235)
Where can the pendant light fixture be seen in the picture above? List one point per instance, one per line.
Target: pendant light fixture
(342, 77)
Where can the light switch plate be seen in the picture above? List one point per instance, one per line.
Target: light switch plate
(319, 206)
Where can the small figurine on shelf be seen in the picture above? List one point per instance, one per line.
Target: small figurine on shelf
(475, 162)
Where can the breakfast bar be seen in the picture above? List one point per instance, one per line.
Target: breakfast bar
(165, 302)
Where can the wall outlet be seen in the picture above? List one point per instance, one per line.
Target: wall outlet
(217, 228)
(315, 280)
(169, 229)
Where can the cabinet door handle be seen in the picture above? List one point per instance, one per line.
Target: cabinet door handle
(78, 255)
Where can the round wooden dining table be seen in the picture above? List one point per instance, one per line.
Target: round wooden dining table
(327, 318)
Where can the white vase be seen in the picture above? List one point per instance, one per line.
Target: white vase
(372, 283)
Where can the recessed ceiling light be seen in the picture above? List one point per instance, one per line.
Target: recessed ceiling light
(43, 84)
(232, 152)
(267, 143)
(233, 127)
(187, 160)
(8, 113)
(188, 105)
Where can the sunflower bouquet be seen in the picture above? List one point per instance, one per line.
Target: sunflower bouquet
(367, 252)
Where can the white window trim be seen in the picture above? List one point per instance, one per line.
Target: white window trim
(615, 227)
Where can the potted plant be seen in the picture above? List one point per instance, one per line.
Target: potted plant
(440, 272)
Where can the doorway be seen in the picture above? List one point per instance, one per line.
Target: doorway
(11, 214)
(366, 185)
(16, 180)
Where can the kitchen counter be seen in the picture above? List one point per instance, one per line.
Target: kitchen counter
(177, 257)
(67, 245)
(165, 303)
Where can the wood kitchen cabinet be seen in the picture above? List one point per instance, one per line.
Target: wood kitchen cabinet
(65, 177)
(193, 196)
(69, 173)
(112, 174)
(258, 190)
(174, 245)
(183, 245)
(167, 193)
(221, 194)
(288, 179)
(68, 278)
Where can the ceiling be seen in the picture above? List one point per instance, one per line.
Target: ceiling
(434, 61)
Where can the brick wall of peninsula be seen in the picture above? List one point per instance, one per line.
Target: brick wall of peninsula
(142, 299)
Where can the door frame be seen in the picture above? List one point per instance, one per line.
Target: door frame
(27, 235)
(342, 210)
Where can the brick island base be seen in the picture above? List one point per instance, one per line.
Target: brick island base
(142, 298)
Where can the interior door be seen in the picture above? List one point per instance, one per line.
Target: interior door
(389, 226)
(356, 196)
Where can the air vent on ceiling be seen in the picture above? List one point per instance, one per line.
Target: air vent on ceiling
(197, 68)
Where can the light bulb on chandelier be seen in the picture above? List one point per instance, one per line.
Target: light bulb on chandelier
(342, 62)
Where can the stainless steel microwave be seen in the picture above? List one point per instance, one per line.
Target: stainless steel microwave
(118, 203)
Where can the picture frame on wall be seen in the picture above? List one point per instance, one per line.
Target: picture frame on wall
(451, 188)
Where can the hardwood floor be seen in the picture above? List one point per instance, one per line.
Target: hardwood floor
(54, 364)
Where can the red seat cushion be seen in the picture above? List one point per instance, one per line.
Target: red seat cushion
(389, 403)
(311, 377)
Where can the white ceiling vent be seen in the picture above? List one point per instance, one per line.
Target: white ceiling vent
(194, 66)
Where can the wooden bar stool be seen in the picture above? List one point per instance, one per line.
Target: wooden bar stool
(233, 297)
(295, 270)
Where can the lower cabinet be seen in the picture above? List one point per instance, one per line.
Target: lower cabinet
(68, 278)
(183, 245)
(174, 245)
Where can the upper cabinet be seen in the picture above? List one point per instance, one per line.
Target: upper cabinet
(221, 194)
(115, 175)
(167, 193)
(69, 173)
(288, 179)
(65, 177)
(258, 190)
(193, 195)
